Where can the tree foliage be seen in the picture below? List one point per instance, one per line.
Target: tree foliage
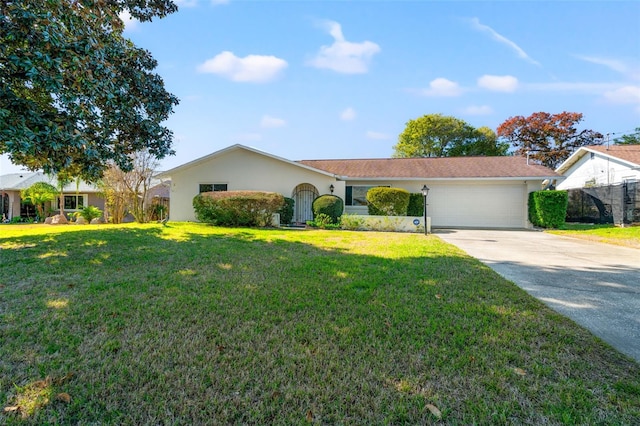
(547, 138)
(436, 135)
(38, 194)
(75, 95)
(629, 139)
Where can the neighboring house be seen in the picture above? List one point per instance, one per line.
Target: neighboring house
(603, 184)
(601, 165)
(76, 197)
(464, 191)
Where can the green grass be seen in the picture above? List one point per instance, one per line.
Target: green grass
(192, 324)
(628, 236)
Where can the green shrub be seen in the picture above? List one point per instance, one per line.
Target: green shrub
(237, 208)
(323, 221)
(89, 213)
(351, 222)
(548, 209)
(416, 205)
(286, 212)
(331, 205)
(383, 201)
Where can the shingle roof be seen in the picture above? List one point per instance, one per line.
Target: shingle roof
(23, 180)
(629, 153)
(425, 168)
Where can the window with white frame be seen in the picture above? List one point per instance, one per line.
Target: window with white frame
(75, 202)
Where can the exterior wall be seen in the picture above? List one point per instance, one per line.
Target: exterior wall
(598, 170)
(491, 204)
(241, 170)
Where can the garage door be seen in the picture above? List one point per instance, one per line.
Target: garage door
(482, 205)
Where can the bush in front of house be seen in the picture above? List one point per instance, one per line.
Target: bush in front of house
(548, 209)
(237, 208)
(383, 201)
(330, 205)
(286, 212)
(416, 205)
(89, 213)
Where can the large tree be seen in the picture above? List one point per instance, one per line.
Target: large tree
(75, 95)
(547, 138)
(436, 135)
(630, 139)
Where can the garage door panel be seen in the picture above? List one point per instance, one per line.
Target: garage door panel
(500, 206)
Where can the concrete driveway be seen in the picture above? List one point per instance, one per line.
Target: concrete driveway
(597, 285)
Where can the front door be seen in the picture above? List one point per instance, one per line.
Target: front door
(303, 195)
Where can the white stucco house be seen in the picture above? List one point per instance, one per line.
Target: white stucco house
(600, 165)
(464, 191)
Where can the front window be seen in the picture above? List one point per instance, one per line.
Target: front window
(357, 195)
(74, 202)
(212, 187)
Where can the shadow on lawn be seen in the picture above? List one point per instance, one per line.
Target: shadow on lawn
(261, 326)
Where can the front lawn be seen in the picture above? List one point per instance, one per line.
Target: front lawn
(628, 236)
(192, 324)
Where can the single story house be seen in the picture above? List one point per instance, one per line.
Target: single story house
(76, 197)
(464, 191)
(601, 165)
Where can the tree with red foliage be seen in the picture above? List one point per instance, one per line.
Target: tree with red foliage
(548, 138)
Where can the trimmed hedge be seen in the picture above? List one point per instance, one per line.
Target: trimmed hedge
(383, 201)
(548, 209)
(330, 205)
(286, 212)
(416, 205)
(237, 208)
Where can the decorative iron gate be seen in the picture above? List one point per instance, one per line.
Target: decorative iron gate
(303, 195)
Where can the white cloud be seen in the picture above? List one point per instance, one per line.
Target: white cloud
(613, 64)
(498, 83)
(478, 110)
(248, 137)
(348, 114)
(577, 87)
(130, 23)
(269, 122)
(219, 2)
(475, 24)
(622, 67)
(624, 95)
(377, 135)
(442, 87)
(251, 68)
(344, 56)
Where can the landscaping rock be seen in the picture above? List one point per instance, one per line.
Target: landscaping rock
(97, 220)
(48, 220)
(81, 220)
(59, 219)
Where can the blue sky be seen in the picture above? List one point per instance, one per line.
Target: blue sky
(339, 79)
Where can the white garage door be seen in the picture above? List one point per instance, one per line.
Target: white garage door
(482, 205)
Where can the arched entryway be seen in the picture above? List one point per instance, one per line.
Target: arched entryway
(303, 195)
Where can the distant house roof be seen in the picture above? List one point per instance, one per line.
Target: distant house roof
(23, 180)
(434, 168)
(627, 153)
